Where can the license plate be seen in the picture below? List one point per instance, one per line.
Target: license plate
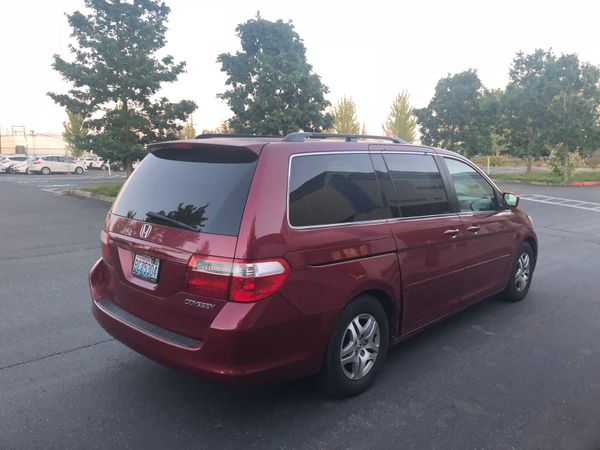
(146, 267)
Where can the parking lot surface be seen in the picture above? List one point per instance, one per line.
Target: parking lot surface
(61, 183)
(496, 376)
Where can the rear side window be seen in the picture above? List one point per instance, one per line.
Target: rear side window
(204, 189)
(333, 189)
(418, 184)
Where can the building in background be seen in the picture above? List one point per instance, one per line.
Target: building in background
(18, 140)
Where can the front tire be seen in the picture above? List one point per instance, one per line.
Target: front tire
(357, 348)
(521, 274)
(78, 170)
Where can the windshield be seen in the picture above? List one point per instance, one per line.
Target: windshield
(191, 189)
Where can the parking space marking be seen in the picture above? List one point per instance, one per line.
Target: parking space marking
(559, 201)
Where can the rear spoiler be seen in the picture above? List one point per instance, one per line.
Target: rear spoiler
(208, 151)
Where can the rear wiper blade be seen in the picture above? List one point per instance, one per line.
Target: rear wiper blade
(157, 216)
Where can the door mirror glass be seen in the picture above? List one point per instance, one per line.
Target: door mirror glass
(510, 199)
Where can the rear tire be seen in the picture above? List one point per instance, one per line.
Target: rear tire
(45, 171)
(357, 348)
(521, 274)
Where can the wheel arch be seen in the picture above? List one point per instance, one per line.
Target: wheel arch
(391, 309)
(534, 246)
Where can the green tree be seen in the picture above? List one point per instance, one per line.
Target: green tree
(453, 119)
(115, 75)
(345, 118)
(223, 128)
(188, 131)
(573, 110)
(401, 121)
(75, 134)
(273, 89)
(526, 102)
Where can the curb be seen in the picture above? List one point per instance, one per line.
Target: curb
(86, 194)
(585, 183)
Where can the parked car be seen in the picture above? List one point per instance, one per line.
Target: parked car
(5, 163)
(51, 164)
(257, 259)
(19, 164)
(88, 161)
(98, 163)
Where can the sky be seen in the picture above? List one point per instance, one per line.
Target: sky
(367, 50)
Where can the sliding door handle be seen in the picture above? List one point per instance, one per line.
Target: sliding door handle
(452, 232)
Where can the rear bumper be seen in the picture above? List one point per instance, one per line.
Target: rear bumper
(246, 343)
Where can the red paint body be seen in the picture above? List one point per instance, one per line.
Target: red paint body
(420, 275)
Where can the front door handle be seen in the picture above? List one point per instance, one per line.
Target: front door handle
(474, 228)
(452, 232)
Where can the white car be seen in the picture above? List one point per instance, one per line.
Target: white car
(4, 164)
(88, 161)
(49, 164)
(19, 164)
(98, 163)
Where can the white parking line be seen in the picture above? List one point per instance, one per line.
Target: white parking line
(559, 201)
(57, 191)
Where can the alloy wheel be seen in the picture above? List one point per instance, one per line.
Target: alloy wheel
(523, 271)
(360, 346)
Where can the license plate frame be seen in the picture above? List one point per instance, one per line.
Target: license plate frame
(145, 267)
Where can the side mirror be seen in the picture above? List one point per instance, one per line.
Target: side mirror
(511, 200)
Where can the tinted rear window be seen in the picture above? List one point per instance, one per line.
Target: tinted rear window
(205, 189)
(418, 184)
(332, 189)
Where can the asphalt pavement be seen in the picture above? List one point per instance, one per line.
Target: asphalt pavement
(496, 376)
(60, 183)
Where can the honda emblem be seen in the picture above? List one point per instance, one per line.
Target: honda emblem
(145, 230)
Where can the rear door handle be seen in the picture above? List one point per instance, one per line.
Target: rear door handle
(474, 228)
(452, 232)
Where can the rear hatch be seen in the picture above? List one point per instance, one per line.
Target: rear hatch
(185, 201)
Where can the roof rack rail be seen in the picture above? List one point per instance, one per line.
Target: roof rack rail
(224, 135)
(302, 136)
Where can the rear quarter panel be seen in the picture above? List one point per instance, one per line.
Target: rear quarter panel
(330, 265)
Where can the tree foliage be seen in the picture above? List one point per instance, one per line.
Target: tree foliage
(345, 118)
(456, 117)
(223, 128)
(552, 103)
(188, 131)
(273, 90)
(526, 101)
(75, 134)
(115, 75)
(574, 108)
(401, 121)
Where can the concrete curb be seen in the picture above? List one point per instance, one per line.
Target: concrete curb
(87, 194)
(585, 183)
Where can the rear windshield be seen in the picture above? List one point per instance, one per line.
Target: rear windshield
(204, 190)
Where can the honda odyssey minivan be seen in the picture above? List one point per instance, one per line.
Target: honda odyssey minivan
(251, 259)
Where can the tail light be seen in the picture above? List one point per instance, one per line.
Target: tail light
(105, 247)
(234, 279)
(37, 162)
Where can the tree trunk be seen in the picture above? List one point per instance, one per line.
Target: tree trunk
(566, 167)
(129, 166)
(529, 158)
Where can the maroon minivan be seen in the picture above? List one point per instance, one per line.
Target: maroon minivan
(250, 259)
